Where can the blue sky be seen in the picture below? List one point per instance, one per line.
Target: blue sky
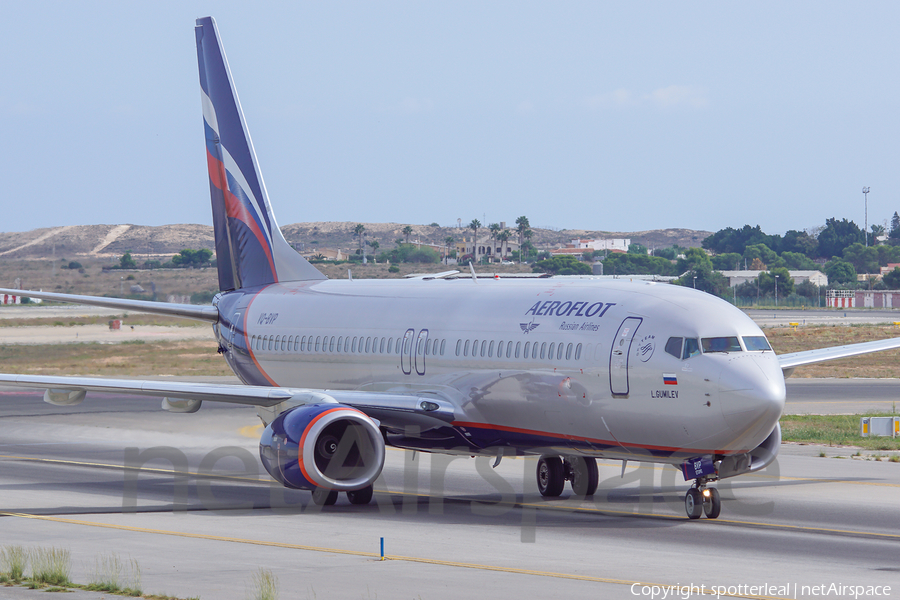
(613, 116)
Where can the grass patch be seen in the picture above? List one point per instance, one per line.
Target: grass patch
(113, 574)
(136, 319)
(833, 430)
(50, 566)
(265, 585)
(810, 337)
(13, 560)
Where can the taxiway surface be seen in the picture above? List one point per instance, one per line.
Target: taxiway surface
(99, 478)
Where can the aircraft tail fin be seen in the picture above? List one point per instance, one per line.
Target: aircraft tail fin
(250, 249)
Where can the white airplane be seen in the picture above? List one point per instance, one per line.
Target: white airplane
(567, 370)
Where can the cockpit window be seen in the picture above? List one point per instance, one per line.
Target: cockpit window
(721, 344)
(756, 343)
(673, 346)
(691, 348)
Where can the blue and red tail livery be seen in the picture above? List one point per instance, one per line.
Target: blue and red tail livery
(250, 248)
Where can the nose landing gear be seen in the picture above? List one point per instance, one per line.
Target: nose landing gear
(701, 499)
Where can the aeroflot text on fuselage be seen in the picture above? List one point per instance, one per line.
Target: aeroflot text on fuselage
(568, 308)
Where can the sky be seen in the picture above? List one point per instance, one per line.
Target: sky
(616, 116)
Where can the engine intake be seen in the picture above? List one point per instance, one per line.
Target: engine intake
(331, 446)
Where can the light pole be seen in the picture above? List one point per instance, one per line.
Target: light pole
(695, 282)
(776, 291)
(866, 230)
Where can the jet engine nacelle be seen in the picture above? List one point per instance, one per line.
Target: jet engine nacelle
(331, 446)
(757, 459)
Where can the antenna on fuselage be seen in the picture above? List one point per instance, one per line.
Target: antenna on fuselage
(472, 268)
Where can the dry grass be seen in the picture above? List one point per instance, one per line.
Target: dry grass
(187, 357)
(878, 364)
(127, 319)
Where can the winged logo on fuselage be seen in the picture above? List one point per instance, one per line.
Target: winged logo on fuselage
(527, 327)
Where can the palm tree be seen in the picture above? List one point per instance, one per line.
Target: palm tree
(474, 225)
(358, 232)
(521, 225)
(449, 240)
(503, 236)
(407, 231)
(495, 229)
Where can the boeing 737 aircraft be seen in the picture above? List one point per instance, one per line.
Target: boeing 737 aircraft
(564, 369)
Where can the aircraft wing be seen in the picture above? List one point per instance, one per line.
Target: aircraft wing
(797, 359)
(185, 311)
(391, 409)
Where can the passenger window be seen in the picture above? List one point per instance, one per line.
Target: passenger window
(271, 343)
(277, 340)
(443, 343)
(303, 344)
(381, 346)
(283, 344)
(673, 346)
(331, 345)
(527, 348)
(569, 352)
(466, 349)
(578, 352)
(368, 344)
(550, 353)
(534, 351)
(544, 347)
(340, 343)
(296, 343)
(458, 344)
(483, 347)
(318, 342)
(559, 351)
(518, 348)
(508, 349)
(691, 348)
(390, 345)
(491, 349)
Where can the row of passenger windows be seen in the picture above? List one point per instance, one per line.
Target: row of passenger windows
(345, 345)
(685, 348)
(431, 347)
(485, 349)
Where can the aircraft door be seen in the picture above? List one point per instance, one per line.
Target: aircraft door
(619, 354)
(406, 352)
(420, 351)
(237, 317)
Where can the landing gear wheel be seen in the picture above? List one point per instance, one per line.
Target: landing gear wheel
(551, 477)
(693, 503)
(584, 475)
(323, 497)
(363, 496)
(712, 504)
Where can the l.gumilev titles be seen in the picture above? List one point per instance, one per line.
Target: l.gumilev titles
(664, 393)
(567, 308)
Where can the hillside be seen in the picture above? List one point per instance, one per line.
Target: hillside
(111, 241)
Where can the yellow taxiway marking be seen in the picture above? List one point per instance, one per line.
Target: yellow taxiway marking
(373, 555)
(251, 431)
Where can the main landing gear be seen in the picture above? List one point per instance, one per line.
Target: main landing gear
(553, 472)
(701, 499)
(323, 497)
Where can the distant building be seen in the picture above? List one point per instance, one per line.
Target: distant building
(862, 299)
(620, 244)
(736, 278)
(486, 247)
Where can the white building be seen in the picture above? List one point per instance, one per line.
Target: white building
(736, 278)
(620, 244)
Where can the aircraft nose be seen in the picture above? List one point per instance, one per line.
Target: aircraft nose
(751, 395)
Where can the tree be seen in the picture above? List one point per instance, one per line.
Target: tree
(798, 261)
(892, 279)
(522, 227)
(764, 253)
(358, 232)
(837, 235)
(587, 256)
(637, 249)
(126, 262)
(894, 233)
(799, 241)
(863, 259)
(758, 265)
(407, 231)
(494, 229)
(561, 265)
(474, 225)
(767, 282)
(727, 261)
(736, 240)
(618, 263)
(840, 271)
(448, 241)
(503, 237)
(192, 258)
(375, 245)
(669, 253)
(694, 259)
